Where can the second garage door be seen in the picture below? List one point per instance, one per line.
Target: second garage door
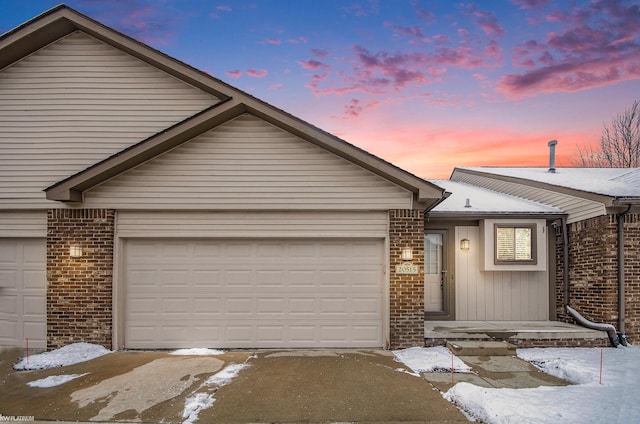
(253, 293)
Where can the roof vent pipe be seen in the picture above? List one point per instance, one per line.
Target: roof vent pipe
(552, 155)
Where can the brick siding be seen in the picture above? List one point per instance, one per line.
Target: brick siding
(79, 290)
(593, 271)
(406, 294)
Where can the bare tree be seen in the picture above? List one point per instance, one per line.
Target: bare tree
(619, 143)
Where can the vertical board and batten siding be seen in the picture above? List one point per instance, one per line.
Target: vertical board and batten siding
(577, 207)
(249, 164)
(74, 103)
(496, 295)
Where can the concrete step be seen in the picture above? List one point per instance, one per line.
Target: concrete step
(481, 348)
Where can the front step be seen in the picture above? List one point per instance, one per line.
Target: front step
(481, 348)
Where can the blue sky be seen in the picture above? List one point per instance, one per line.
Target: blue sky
(427, 85)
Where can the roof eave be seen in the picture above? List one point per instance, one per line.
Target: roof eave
(496, 215)
(602, 198)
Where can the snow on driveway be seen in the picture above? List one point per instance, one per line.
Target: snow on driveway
(588, 401)
(146, 385)
(67, 355)
(198, 402)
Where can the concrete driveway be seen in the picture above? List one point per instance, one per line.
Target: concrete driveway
(276, 386)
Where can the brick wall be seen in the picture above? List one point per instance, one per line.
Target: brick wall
(593, 271)
(406, 294)
(79, 291)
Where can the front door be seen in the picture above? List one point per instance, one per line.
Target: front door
(434, 272)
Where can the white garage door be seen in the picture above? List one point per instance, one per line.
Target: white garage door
(22, 292)
(253, 293)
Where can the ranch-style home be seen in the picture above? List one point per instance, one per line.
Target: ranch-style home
(145, 204)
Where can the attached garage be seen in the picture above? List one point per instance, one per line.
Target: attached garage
(23, 292)
(253, 293)
(205, 217)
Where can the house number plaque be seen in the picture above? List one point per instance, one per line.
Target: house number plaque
(407, 268)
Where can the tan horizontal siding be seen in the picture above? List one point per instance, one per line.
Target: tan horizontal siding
(23, 224)
(577, 208)
(249, 164)
(75, 103)
(251, 224)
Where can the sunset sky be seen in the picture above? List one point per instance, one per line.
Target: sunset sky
(424, 84)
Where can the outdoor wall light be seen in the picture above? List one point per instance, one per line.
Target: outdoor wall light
(407, 254)
(465, 244)
(75, 251)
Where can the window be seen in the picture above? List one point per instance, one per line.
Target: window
(515, 244)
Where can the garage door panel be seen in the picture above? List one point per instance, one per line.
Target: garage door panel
(34, 306)
(23, 292)
(254, 293)
(8, 279)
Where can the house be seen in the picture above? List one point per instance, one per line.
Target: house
(596, 246)
(146, 204)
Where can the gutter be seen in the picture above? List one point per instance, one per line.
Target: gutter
(621, 275)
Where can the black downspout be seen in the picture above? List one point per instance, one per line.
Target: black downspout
(565, 262)
(621, 277)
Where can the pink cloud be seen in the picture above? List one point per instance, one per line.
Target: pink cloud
(147, 23)
(276, 86)
(320, 53)
(273, 41)
(312, 64)
(489, 23)
(224, 8)
(597, 44)
(257, 73)
(530, 4)
(236, 73)
(355, 107)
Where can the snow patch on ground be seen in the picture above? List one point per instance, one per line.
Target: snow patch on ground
(565, 364)
(615, 400)
(67, 355)
(430, 359)
(198, 402)
(54, 380)
(197, 351)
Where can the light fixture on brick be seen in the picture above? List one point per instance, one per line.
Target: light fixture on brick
(406, 254)
(75, 251)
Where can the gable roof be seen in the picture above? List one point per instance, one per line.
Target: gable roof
(62, 20)
(611, 186)
(469, 201)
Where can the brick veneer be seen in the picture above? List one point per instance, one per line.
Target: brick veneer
(593, 271)
(406, 294)
(79, 291)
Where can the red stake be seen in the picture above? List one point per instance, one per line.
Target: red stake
(27, 350)
(601, 365)
(452, 368)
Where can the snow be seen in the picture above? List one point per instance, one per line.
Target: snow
(197, 351)
(615, 400)
(433, 359)
(54, 380)
(485, 200)
(620, 182)
(67, 355)
(200, 401)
